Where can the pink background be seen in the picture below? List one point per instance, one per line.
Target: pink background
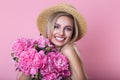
(99, 48)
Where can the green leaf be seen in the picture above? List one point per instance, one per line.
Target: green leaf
(16, 59)
(35, 46)
(48, 49)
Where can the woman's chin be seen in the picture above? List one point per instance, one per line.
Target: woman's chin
(59, 45)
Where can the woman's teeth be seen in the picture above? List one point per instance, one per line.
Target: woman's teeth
(58, 38)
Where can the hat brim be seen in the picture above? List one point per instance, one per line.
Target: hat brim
(44, 16)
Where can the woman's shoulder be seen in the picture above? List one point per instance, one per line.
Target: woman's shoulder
(69, 50)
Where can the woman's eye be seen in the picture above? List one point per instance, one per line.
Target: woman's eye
(68, 29)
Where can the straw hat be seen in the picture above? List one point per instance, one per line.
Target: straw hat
(44, 16)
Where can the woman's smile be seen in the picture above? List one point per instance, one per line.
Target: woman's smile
(60, 38)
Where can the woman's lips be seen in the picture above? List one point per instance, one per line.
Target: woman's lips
(59, 38)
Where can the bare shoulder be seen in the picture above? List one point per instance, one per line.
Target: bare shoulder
(70, 52)
(68, 48)
(75, 62)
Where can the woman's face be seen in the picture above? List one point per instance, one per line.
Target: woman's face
(62, 32)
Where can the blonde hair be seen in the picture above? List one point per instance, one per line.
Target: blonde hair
(52, 20)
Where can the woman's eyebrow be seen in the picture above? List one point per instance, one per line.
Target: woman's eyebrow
(57, 24)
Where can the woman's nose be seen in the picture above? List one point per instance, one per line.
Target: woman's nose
(61, 32)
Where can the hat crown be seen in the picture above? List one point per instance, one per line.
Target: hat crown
(69, 5)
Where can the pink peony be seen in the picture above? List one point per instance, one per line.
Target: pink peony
(51, 76)
(33, 56)
(26, 60)
(20, 45)
(40, 60)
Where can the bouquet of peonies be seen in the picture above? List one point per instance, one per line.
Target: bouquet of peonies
(40, 59)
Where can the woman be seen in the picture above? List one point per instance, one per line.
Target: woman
(63, 25)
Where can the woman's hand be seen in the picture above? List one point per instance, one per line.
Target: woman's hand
(24, 77)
